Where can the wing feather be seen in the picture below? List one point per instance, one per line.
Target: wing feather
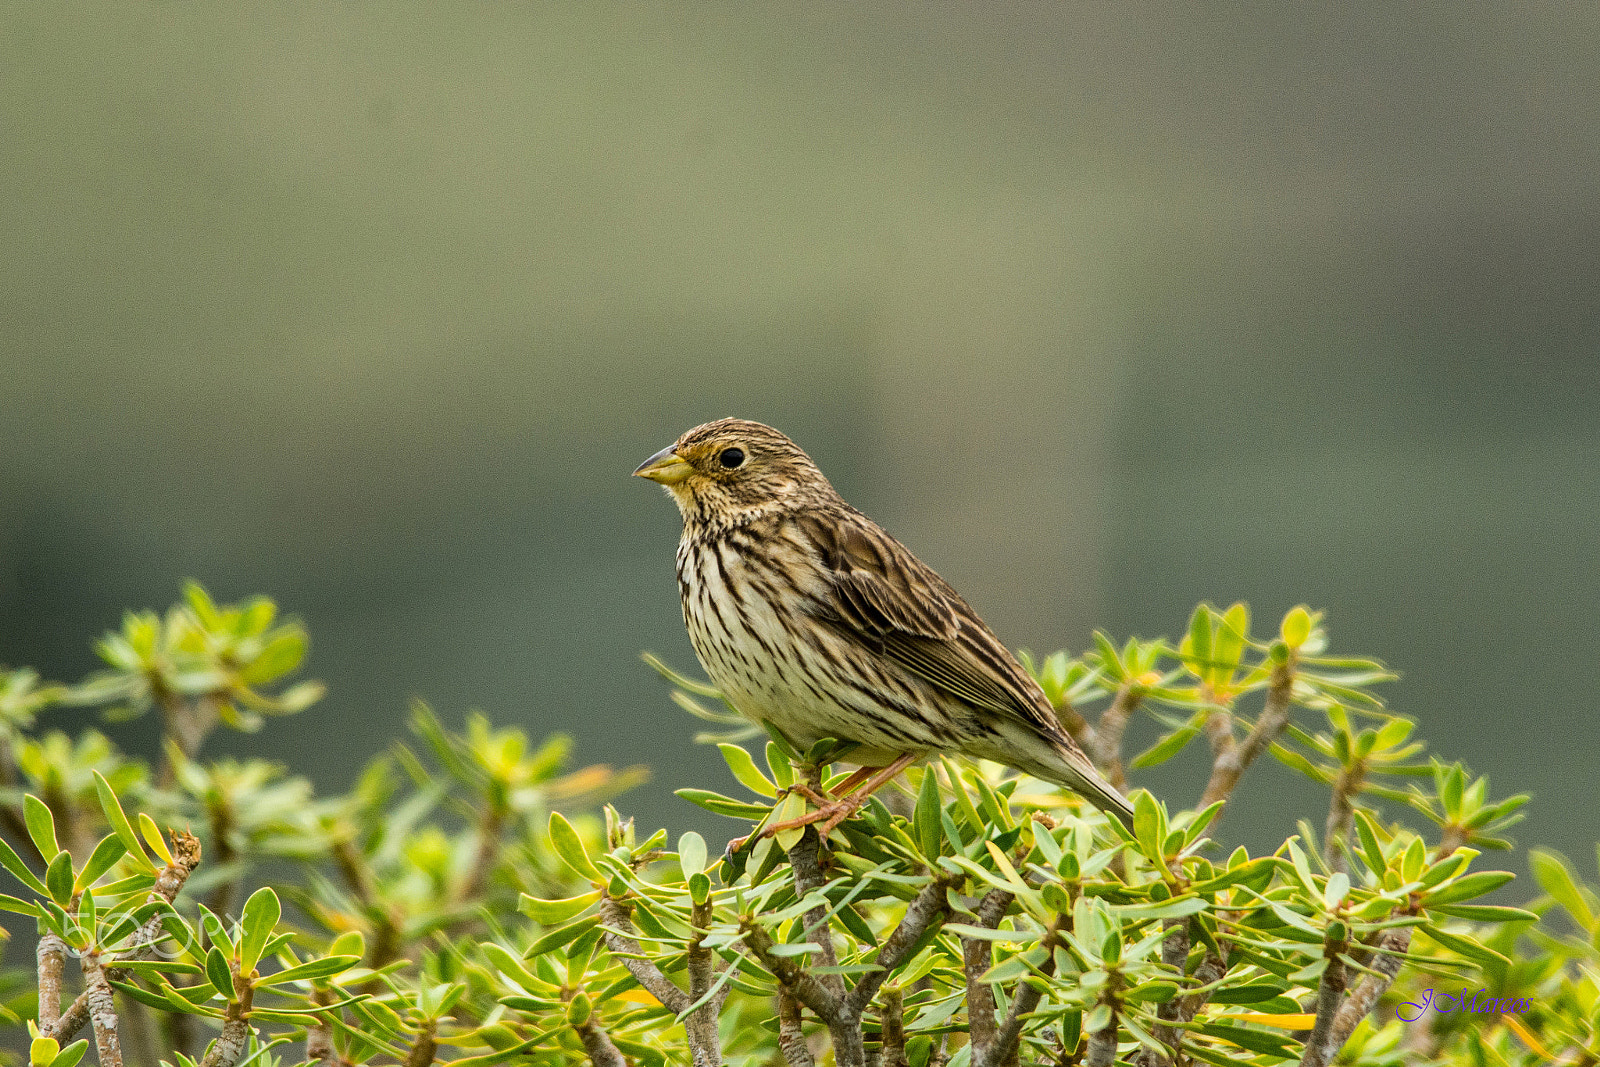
(886, 598)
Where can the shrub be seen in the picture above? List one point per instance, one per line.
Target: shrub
(466, 902)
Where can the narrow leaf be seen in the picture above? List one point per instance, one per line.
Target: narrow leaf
(41, 826)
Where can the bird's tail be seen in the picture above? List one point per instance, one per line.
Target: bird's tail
(1072, 769)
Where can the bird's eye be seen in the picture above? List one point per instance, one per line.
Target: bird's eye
(731, 457)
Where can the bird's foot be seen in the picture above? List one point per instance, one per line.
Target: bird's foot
(831, 811)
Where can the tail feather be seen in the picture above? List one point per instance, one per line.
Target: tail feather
(1072, 769)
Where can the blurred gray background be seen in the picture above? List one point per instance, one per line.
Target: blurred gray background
(1101, 309)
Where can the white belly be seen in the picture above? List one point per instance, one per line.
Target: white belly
(797, 677)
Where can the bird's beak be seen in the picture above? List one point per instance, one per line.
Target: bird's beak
(666, 467)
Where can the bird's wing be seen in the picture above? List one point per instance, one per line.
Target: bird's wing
(892, 602)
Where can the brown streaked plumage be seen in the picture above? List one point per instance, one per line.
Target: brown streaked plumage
(807, 615)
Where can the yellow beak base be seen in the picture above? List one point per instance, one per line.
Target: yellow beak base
(666, 467)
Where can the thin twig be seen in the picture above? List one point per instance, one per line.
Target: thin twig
(927, 907)
(1330, 993)
(221, 818)
(614, 914)
(1007, 1040)
(977, 956)
(319, 1038)
(484, 856)
(1234, 758)
(808, 877)
(892, 1019)
(597, 1043)
(1175, 955)
(1356, 1006)
(801, 983)
(1341, 813)
(52, 960)
(791, 1036)
(424, 1047)
(845, 1026)
(1108, 735)
(230, 1044)
(102, 1010)
(1212, 968)
(842, 1021)
(701, 1026)
(1076, 725)
(1102, 1050)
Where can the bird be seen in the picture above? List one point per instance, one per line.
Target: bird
(810, 618)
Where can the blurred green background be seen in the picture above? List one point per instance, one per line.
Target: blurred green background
(1101, 309)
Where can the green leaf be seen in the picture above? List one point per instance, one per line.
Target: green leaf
(744, 769)
(217, 973)
(692, 853)
(69, 1056)
(1231, 636)
(1296, 626)
(120, 825)
(925, 817)
(58, 879)
(778, 762)
(14, 864)
(102, 859)
(699, 887)
(152, 835)
(569, 848)
(1469, 886)
(1253, 993)
(1200, 640)
(721, 805)
(509, 965)
(43, 1051)
(1252, 1040)
(1554, 875)
(1467, 947)
(550, 912)
(259, 918)
(20, 907)
(281, 655)
(1371, 849)
(325, 967)
(1170, 745)
(983, 933)
(1414, 861)
(41, 826)
(561, 936)
(1484, 913)
(963, 799)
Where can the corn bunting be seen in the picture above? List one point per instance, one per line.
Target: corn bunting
(809, 617)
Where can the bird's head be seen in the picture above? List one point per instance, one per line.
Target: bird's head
(733, 469)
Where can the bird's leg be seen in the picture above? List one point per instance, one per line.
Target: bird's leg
(838, 810)
(850, 803)
(859, 775)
